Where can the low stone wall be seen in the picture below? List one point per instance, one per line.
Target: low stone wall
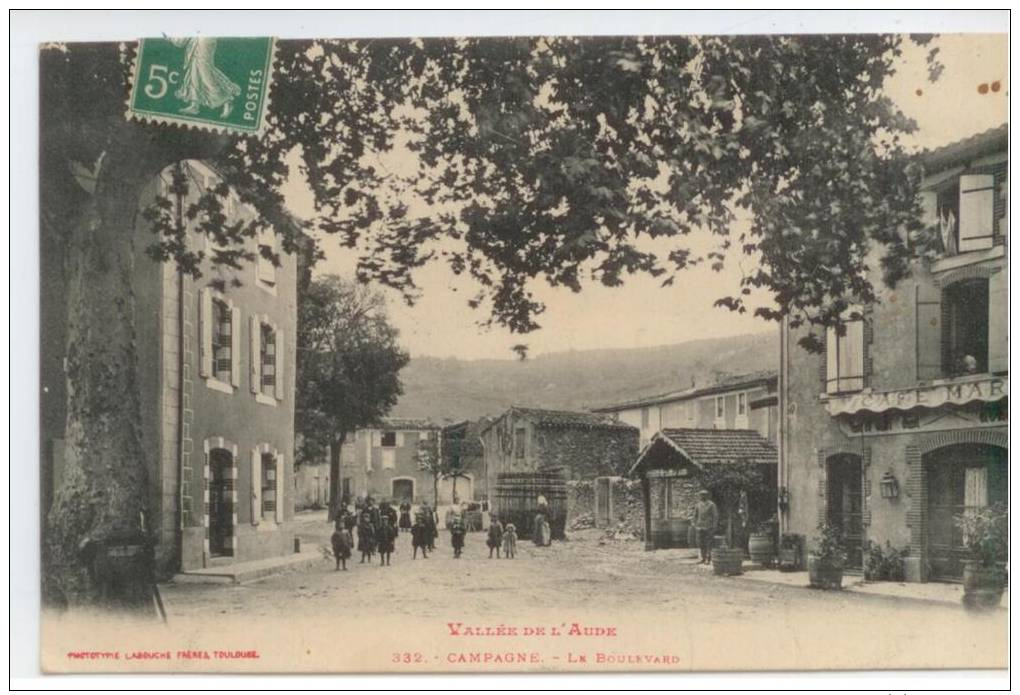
(627, 506)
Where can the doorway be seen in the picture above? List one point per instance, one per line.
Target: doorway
(221, 512)
(961, 478)
(845, 508)
(402, 489)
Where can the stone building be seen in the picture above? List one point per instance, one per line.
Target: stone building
(747, 401)
(216, 389)
(902, 422)
(584, 445)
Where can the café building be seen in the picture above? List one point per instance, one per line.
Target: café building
(901, 423)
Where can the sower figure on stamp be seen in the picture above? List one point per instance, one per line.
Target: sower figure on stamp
(495, 539)
(341, 541)
(706, 518)
(509, 541)
(386, 540)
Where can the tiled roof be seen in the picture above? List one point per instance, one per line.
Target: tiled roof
(712, 447)
(403, 423)
(987, 142)
(568, 419)
(730, 383)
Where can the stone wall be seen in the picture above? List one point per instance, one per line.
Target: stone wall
(586, 453)
(627, 506)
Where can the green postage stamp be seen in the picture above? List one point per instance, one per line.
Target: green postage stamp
(205, 82)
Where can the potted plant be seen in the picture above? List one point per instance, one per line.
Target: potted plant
(760, 545)
(985, 535)
(827, 560)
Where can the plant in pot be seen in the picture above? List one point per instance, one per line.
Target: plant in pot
(986, 536)
(729, 485)
(828, 558)
(761, 544)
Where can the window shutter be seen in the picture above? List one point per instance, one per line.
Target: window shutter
(400, 439)
(998, 322)
(235, 346)
(255, 338)
(278, 377)
(256, 487)
(928, 308)
(851, 357)
(376, 438)
(205, 320)
(280, 479)
(831, 361)
(977, 208)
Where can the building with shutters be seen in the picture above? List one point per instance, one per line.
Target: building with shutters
(902, 422)
(733, 402)
(216, 388)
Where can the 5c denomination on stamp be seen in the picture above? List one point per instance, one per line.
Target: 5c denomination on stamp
(210, 83)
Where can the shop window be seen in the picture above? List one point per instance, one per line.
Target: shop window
(965, 315)
(844, 358)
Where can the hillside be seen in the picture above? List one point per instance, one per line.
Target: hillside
(449, 388)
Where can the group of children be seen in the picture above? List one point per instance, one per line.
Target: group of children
(377, 532)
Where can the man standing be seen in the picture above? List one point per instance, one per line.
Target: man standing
(706, 518)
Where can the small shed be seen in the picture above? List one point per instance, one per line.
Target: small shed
(677, 463)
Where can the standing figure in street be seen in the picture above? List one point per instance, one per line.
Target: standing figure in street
(420, 535)
(387, 511)
(405, 515)
(366, 535)
(386, 540)
(509, 541)
(457, 534)
(495, 539)
(432, 526)
(342, 542)
(706, 518)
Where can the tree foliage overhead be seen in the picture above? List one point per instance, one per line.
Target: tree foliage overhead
(348, 363)
(562, 159)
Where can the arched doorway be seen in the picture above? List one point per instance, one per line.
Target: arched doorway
(961, 477)
(845, 508)
(221, 506)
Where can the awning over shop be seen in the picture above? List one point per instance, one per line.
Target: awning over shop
(957, 392)
(683, 448)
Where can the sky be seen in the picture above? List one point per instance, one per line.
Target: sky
(641, 314)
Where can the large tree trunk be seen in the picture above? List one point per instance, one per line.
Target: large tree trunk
(334, 475)
(105, 488)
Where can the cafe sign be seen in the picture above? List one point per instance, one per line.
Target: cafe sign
(955, 393)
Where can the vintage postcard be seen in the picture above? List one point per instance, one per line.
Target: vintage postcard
(537, 353)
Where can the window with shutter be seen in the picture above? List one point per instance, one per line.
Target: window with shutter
(205, 320)
(235, 346)
(280, 371)
(998, 323)
(256, 487)
(267, 357)
(388, 439)
(844, 355)
(281, 480)
(965, 314)
(222, 340)
(269, 474)
(255, 338)
(928, 332)
(977, 209)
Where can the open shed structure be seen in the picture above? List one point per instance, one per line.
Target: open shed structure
(677, 463)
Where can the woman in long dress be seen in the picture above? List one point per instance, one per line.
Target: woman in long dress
(203, 85)
(405, 516)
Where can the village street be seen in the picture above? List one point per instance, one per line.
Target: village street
(725, 622)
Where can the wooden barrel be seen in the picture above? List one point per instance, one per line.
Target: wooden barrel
(516, 500)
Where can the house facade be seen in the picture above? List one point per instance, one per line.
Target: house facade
(902, 422)
(216, 384)
(583, 445)
(743, 402)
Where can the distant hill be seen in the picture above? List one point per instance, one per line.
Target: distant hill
(450, 388)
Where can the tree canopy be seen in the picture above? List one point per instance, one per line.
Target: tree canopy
(559, 159)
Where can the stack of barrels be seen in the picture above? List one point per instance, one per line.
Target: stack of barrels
(517, 500)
